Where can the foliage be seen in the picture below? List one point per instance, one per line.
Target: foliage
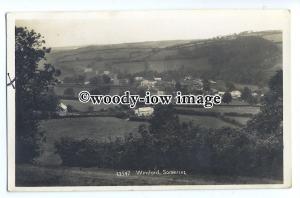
(32, 99)
(227, 98)
(247, 96)
(230, 86)
(232, 61)
(270, 118)
(206, 85)
(168, 144)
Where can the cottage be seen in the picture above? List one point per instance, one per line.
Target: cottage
(159, 93)
(144, 111)
(148, 83)
(221, 93)
(236, 94)
(106, 72)
(62, 109)
(138, 78)
(88, 70)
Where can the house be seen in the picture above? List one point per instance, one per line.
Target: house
(187, 78)
(214, 91)
(235, 94)
(221, 93)
(144, 111)
(138, 78)
(106, 72)
(88, 70)
(157, 78)
(124, 81)
(254, 94)
(159, 93)
(148, 83)
(62, 109)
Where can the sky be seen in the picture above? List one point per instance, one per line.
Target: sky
(66, 29)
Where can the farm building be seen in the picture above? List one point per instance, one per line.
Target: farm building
(148, 83)
(138, 78)
(88, 70)
(62, 109)
(157, 78)
(106, 72)
(144, 111)
(221, 93)
(235, 94)
(159, 93)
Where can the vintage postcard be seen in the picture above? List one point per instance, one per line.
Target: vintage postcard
(148, 100)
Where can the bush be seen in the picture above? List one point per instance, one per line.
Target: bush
(223, 151)
(77, 152)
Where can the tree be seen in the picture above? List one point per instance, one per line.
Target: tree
(106, 79)
(206, 85)
(32, 98)
(267, 129)
(246, 94)
(230, 86)
(100, 90)
(96, 80)
(270, 119)
(178, 86)
(227, 98)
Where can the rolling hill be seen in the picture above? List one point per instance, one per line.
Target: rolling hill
(248, 57)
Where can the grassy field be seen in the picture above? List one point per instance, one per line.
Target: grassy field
(82, 107)
(103, 129)
(97, 128)
(205, 121)
(225, 109)
(241, 120)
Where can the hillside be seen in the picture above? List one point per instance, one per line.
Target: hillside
(248, 57)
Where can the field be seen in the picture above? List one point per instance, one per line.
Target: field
(106, 128)
(98, 128)
(205, 121)
(225, 109)
(83, 107)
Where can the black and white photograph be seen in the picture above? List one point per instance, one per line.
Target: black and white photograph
(137, 100)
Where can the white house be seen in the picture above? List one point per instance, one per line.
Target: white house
(159, 93)
(221, 93)
(236, 94)
(148, 83)
(157, 78)
(106, 72)
(88, 70)
(62, 109)
(138, 78)
(144, 111)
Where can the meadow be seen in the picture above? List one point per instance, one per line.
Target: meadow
(206, 121)
(97, 128)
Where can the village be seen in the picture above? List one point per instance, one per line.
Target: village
(108, 82)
